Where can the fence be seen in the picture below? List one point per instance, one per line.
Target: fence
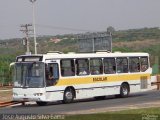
(91, 42)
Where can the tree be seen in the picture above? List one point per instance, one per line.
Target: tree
(110, 29)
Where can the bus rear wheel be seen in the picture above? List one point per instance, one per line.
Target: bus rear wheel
(68, 95)
(41, 103)
(124, 90)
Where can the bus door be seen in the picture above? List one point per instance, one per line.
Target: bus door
(52, 74)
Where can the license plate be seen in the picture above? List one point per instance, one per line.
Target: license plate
(25, 99)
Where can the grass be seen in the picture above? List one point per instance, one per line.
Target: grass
(136, 114)
(139, 111)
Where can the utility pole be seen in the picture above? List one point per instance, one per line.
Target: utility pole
(34, 25)
(26, 30)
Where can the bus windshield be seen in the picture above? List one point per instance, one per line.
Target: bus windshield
(29, 74)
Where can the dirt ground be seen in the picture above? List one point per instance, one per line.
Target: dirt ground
(5, 94)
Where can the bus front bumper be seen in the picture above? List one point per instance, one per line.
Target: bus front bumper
(26, 98)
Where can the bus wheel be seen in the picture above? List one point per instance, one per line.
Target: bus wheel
(68, 95)
(41, 103)
(124, 90)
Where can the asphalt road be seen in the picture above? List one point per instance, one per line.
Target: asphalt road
(83, 105)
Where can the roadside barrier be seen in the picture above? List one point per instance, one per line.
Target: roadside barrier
(155, 81)
(4, 104)
(158, 82)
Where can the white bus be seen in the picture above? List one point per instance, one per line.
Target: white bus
(66, 77)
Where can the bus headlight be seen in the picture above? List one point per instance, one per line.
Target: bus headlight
(38, 94)
(15, 94)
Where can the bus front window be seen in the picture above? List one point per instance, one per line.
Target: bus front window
(29, 75)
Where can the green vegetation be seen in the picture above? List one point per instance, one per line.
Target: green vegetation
(136, 34)
(148, 40)
(137, 114)
(122, 49)
(5, 77)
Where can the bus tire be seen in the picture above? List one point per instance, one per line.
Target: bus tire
(124, 90)
(41, 103)
(68, 95)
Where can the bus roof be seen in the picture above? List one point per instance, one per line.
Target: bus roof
(85, 55)
(88, 55)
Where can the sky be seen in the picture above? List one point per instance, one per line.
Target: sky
(54, 17)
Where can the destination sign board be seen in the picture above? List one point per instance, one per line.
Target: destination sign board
(29, 58)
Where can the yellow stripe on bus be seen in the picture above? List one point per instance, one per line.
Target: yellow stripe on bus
(97, 79)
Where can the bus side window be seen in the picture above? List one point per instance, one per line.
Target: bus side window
(144, 64)
(67, 67)
(96, 66)
(122, 65)
(134, 64)
(109, 65)
(82, 66)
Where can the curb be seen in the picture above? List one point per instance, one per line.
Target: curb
(4, 104)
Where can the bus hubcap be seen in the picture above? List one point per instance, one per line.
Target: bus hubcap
(125, 91)
(69, 95)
